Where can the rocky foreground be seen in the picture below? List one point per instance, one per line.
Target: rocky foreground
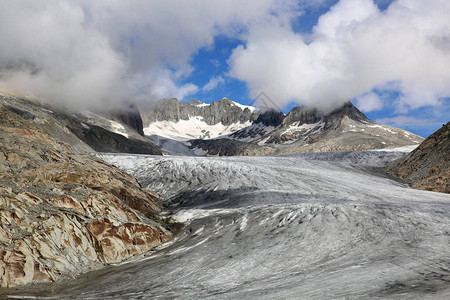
(428, 166)
(64, 212)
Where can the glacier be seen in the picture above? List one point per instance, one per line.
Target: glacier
(309, 226)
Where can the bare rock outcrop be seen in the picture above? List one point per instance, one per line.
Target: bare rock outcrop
(63, 212)
(428, 166)
(306, 129)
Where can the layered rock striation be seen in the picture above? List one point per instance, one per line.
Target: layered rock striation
(64, 211)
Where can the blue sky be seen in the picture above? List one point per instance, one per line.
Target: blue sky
(210, 62)
(389, 57)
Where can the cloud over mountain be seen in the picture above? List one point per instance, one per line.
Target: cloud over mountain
(353, 49)
(98, 53)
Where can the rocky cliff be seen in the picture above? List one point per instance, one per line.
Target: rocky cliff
(428, 166)
(110, 131)
(129, 116)
(63, 211)
(306, 129)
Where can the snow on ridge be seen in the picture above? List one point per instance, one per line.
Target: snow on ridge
(307, 127)
(202, 104)
(194, 128)
(251, 108)
(241, 106)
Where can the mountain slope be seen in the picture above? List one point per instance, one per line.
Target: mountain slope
(104, 132)
(196, 120)
(243, 131)
(428, 166)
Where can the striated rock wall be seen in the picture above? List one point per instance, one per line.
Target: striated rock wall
(62, 212)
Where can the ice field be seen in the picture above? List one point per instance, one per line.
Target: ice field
(312, 226)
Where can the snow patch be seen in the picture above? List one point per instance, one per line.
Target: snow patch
(118, 128)
(201, 105)
(408, 149)
(251, 108)
(262, 142)
(385, 128)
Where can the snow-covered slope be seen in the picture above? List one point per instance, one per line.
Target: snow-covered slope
(193, 128)
(312, 226)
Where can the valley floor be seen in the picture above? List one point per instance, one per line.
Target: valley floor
(313, 226)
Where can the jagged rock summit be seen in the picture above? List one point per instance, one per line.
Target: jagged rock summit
(224, 111)
(428, 166)
(227, 128)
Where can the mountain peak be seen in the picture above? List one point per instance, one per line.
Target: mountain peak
(303, 129)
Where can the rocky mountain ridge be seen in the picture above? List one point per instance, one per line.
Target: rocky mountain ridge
(109, 131)
(240, 130)
(224, 111)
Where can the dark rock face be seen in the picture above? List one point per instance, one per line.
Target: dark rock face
(270, 118)
(131, 117)
(223, 111)
(102, 140)
(228, 147)
(428, 166)
(164, 110)
(303, 115)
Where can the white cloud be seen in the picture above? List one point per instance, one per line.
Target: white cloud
(158, 84)
(84, 52)
(353, 49)
(213, 83)
(369, 102)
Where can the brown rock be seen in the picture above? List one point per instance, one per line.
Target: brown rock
(64, 212)
(428, 166)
